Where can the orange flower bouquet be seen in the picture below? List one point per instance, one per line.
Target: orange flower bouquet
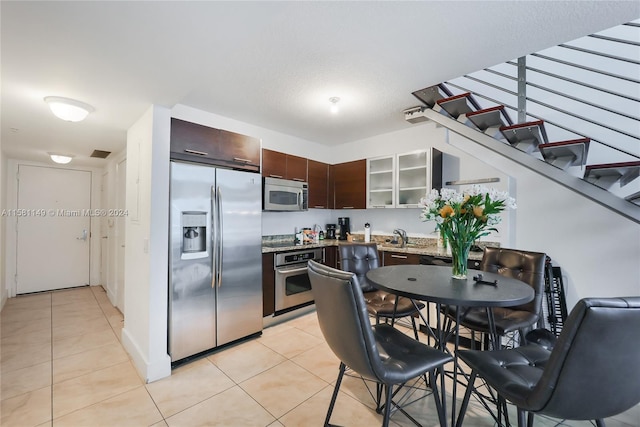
(463, 218)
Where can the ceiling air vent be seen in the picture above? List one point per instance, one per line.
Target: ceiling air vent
(100, 154)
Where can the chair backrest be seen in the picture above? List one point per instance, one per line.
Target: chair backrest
(592, 372)
(358, 258)
(522, 265)
(342, 315)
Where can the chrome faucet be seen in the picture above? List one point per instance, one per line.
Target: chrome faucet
(403, 235)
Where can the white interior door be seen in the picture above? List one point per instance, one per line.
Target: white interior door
(105, 259)
(53, 233)
(121, 203)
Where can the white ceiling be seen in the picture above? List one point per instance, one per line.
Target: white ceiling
(271, 64)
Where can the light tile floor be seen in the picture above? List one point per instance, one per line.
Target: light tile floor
(62, 364)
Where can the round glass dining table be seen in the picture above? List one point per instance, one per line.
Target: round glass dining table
(434, 283)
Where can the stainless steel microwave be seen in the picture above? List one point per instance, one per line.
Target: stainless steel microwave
(284, 195)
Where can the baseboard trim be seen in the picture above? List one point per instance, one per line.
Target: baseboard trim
(150, 371)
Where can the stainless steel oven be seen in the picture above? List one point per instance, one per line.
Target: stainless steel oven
(293, 287)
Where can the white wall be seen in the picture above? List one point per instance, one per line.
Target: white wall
(145, 330)
(597, 250)
(457, 165)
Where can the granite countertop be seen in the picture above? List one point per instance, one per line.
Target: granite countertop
(420, 247)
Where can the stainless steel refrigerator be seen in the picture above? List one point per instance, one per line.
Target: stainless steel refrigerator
(215, 291)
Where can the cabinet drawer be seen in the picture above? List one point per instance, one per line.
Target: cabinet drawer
(399, 258)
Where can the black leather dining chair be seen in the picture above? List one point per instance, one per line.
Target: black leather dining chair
(591, 372)
(359, 258)
(380, 352)
(526, 266)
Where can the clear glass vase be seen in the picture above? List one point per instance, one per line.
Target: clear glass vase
(459, 257)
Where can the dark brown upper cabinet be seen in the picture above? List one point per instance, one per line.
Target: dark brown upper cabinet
(274, 164)
(296, 168)
(203, 144)
(240, 149)
(318, 175)
(350, 185)
(281, 165)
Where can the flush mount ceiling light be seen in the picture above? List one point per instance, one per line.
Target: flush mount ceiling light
(334, 104)
(68, 109)
(63, 159)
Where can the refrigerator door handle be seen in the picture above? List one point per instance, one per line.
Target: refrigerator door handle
(214, 237)
(220, 237)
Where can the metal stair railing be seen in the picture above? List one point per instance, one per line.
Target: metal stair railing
(598, 103)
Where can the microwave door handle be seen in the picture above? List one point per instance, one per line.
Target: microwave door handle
(300, 199)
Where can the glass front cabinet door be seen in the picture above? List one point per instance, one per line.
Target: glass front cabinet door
(412, 178)
(381, 182)
(398, 181)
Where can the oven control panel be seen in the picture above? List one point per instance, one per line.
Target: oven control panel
(297, 257)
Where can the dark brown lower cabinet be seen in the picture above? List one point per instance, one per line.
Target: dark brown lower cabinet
(268, 285)
(331, 256)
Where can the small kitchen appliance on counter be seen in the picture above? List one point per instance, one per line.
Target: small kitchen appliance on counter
(331, 232)
(344, 228)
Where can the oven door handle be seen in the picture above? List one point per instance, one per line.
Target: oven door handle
(292, 270)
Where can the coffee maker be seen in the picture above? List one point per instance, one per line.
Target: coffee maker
(343, 228)
(331, 231)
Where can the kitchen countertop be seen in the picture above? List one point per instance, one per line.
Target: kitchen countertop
(418, 249)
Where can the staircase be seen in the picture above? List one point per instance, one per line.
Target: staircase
(609, 174)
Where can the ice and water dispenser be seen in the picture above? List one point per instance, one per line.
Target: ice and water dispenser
(194, 232)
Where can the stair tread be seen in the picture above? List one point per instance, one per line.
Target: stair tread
(577, 149)
(525, 131)
(490, 117)
(622, 172)
(633, 198)
(566, 143)
(619, 165)
(430, 95)
(459, 104)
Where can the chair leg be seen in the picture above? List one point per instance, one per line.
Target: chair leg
(387, 405)
(415, 328)
(600, 423)
(530, 416)
(521, 417)
(499, 406)
(436, 396)
(335, 394)
(465, 401)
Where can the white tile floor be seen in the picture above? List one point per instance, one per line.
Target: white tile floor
(62, 365)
